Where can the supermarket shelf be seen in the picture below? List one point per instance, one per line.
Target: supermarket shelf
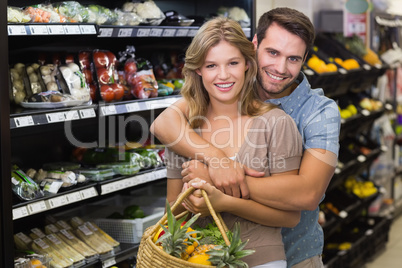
(123, 252)
(84, 193)
(51, 29)
(20, 117)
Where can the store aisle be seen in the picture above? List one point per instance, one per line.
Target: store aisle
(391, 256)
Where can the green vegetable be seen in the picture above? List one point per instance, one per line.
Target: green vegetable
(115, 215)
(133, 212)
(211, 235)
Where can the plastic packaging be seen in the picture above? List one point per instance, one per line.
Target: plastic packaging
(98, 174)
(75, 81)
(15, 15)
(23, 186)
(19, 83)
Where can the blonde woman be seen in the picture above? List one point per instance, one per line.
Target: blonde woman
(223, 108)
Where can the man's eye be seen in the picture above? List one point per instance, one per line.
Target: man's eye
(294, 59)
(274, 53)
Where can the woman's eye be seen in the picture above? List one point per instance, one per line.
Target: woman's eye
(234, 63)
(210, 66)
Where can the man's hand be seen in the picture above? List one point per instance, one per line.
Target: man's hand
(195, 169)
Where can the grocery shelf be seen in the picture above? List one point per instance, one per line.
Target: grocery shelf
(85, 192)
(51, 29)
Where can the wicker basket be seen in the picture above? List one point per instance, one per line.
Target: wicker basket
(151, 256)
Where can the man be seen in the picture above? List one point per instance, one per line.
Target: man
(282, 41)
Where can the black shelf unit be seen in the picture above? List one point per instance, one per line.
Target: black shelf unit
(21, 128)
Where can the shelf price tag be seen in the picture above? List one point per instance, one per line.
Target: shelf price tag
(143, 32)
(156, 104)
(87, 113)
(55, 117)
(17, 30)
(36, 207)
(38, 29)
(133, 107)
(192, 32)
(108, 262)
(361, 158)
(73, 197)
(88, 193)
(125, 32)
(55, 29)
(105, 32)
(24, 121)
(108, 110)
(169, 32)
(20, 212)
(88, 29)
(72, 29)
(107, 188)
(157, 32)
(57, 201)
(182, 32)
(71, 115)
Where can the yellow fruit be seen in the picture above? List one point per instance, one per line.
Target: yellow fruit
(352, 109)
(317, 65)
(339, 61)
(35, 262)
(200, 259)
(331, 67)
(345, 246)
(371, 57)
(345, 114)
(350, 64)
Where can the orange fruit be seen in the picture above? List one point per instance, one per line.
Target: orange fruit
(349, 64)
(200, 259)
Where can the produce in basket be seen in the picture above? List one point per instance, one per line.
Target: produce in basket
(180, 241)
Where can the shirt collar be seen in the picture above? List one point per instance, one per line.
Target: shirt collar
(301, 92)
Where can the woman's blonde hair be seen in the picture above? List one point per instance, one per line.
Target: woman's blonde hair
(210, 34)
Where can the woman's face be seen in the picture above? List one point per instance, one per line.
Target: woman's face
(223, 72)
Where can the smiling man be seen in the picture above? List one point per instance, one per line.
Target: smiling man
(282, 41)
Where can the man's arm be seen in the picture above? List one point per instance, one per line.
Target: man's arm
(172, 129)
(296, 192)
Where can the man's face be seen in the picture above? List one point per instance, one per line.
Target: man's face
(280, 56)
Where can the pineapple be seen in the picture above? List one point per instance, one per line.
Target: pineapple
(177, 238)
(229, 256)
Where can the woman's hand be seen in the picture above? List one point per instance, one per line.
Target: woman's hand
(195, 203)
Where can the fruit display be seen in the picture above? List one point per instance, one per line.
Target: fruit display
(178, 239)
(360, 188)
(349, 111)
(320, 66)
(370, 104)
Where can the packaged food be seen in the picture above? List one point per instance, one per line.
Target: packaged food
(73, 10)
(15, 15)
(23, 186)
(75, 81)
(36, 84)
(122, 168)
(96, 174)
(143, 83)
(19, 83)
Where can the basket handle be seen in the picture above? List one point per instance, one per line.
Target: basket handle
(216, 216)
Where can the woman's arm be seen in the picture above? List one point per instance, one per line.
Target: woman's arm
(245, 208)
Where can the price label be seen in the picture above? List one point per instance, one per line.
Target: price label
(71, 115)
(108, 110)
(143, 32)
(125, 32)
(17, 30)
(36, 207)
(88, 193)
(72, 29)
(133, 107)
(182, 32)
(55, 29)
(337, 170)
(20, 213)
(38, 30)
(73, 197)
(365, 112)
(87, 113)
(55, 117)
(57, 201)
(107, 188)
(157, 32)
(133, 181)
(361, 158)
(108, 262)
(88, 29)
(160, 174)
(105, 32)
(192, 33)
(169, 32)
(24, 121)
(156, 104)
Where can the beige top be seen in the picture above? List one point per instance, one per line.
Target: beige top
(273, 145)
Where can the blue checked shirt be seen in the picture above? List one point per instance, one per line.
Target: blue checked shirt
(318, 120)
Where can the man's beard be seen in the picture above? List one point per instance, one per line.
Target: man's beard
(265, 91)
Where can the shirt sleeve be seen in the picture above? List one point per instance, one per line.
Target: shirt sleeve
(323, 127)
(285, 146)
(173, 164)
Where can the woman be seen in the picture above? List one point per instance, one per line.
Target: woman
(220, 70)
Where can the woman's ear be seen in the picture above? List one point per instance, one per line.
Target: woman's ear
(198, 72)
(247, 66)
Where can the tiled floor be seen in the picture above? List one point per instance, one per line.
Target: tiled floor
(391, 256)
